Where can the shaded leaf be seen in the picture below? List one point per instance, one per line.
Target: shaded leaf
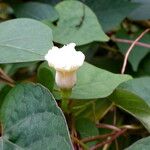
(140, 87)
(46, 76)
(83, 125)
(93, 109)
(142, 12)
(142, 144)
(134, 97)
(36, 10)
(144, 67)
(111, 13)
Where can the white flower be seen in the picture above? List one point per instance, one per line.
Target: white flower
(66, 61)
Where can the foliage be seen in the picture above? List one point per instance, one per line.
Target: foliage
(104, 105)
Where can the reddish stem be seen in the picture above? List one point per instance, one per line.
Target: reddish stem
(108, 140)
(130, 49)
(93, 138)
(107, 126)
(130, 42)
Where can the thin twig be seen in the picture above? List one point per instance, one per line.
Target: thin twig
(93, 138)
(115, 116)
(114, 123)
(107, 126)
(130, 48)
(76, 140)
(108, 140)
(116, 144)
(131, 127)
(130, 42)
(5, 78)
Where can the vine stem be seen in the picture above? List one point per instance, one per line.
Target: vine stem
(130, 42)
(64, 104)
(93, 138)
(108, 140)
(107, 126)
(65, 95)
(76, 140)
(5, 78)
(130, 49)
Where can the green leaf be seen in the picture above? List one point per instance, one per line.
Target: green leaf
(138, 52)
(36, 10)
(53, 2)
(93, 82)
(94, 110)
(46, 76)
(3, 92)
(134, 97)
(142, 12)
(24, 40)
(108, 63)
(144, 68)
(111, 13)
(32, 120)
(80, 26)
(142, 144)
(83, 125)
(140, 87)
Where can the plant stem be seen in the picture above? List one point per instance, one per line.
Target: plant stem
(107, 126)
(131, 127)
(64, 104)
(5, 78)
(130, 49)
(65, 94)
(130, 42)
(79, 142)
(108, 140)
(93, 138)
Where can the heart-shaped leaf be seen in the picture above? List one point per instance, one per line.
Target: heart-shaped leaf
(80, 26)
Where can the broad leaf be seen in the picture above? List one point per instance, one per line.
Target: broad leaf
(80, 26)
(129, 98)
(36, 10)
(140, 87)
(142, 144)
(110, 13)
(23, 40)
(93, 82)
(32, 120)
